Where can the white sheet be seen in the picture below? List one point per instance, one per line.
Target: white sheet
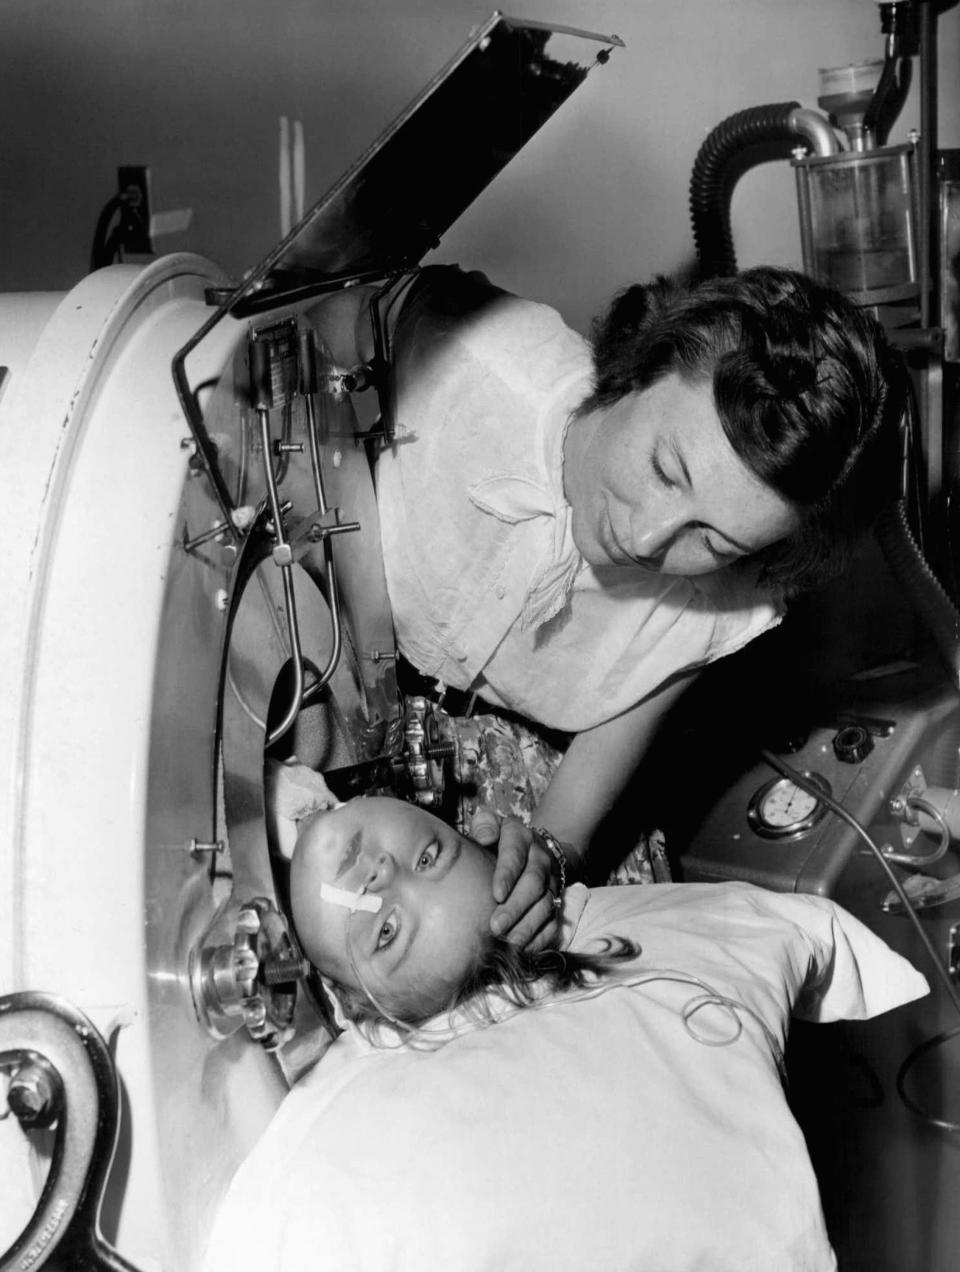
(585, 1134)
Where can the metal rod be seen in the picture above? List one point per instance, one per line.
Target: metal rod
(333, 584)
(927, 157)
(289, 599)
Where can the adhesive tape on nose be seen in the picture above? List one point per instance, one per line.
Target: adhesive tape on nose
(351, 901)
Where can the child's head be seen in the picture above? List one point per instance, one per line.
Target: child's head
(435, 895)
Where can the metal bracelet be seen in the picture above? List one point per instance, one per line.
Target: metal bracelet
(555, 848)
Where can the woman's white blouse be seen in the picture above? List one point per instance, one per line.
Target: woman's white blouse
(488, 589)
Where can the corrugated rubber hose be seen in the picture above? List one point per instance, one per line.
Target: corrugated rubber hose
(711, 183)
(930, 598)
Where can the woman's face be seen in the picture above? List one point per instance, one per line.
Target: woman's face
(437, 899)
(653, 481)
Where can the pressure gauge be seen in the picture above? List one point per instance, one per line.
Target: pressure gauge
(780, 809)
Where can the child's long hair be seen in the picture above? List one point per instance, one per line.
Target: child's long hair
(504, 973)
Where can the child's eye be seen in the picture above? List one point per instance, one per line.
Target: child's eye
(388, 932)
(429, 856)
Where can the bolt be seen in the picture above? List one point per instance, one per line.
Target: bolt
(337, 458)
(197, 846)
(281, 969)
(31, 1095)
(221, 598)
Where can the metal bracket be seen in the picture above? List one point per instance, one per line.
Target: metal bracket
(63, 1076)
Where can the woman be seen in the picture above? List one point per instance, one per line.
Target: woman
(571, 532)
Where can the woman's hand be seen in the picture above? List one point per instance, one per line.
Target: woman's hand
(523, 882)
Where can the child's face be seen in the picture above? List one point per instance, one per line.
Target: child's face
(437, 896)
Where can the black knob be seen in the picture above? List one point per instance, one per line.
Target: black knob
(852, 744)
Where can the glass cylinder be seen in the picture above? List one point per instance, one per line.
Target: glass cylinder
(858, 222)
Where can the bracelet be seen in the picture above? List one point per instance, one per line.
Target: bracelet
(554, 847)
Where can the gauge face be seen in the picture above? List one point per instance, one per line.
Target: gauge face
(782, 810)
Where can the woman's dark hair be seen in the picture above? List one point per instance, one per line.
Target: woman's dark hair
(518, 976)
(809, 392)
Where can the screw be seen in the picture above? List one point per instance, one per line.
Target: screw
(31, 1095)
(281, 969)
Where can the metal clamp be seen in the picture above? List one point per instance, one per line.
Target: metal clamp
(63, 1076)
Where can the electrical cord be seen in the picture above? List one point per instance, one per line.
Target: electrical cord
(929, 1044)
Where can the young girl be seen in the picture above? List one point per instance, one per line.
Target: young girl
(394, 907)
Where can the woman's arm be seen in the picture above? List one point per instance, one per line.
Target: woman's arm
(597, 766)
(593, 773)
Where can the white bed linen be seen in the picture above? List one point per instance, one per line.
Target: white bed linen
(585, 1134)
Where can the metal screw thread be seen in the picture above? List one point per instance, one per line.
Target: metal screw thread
(280, 969)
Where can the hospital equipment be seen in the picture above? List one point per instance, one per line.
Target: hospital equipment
(866, 678)
(226, 596)
(195, 578)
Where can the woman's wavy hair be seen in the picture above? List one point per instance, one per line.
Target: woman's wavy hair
(501, 972)
(808, 389)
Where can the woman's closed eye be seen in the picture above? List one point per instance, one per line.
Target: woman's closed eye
(661, 474)
(723, 556)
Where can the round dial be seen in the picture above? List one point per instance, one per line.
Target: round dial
(782, 810)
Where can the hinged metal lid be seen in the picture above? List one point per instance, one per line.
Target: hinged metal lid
(392, 206)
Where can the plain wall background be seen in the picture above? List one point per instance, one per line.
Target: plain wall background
(195, 89)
